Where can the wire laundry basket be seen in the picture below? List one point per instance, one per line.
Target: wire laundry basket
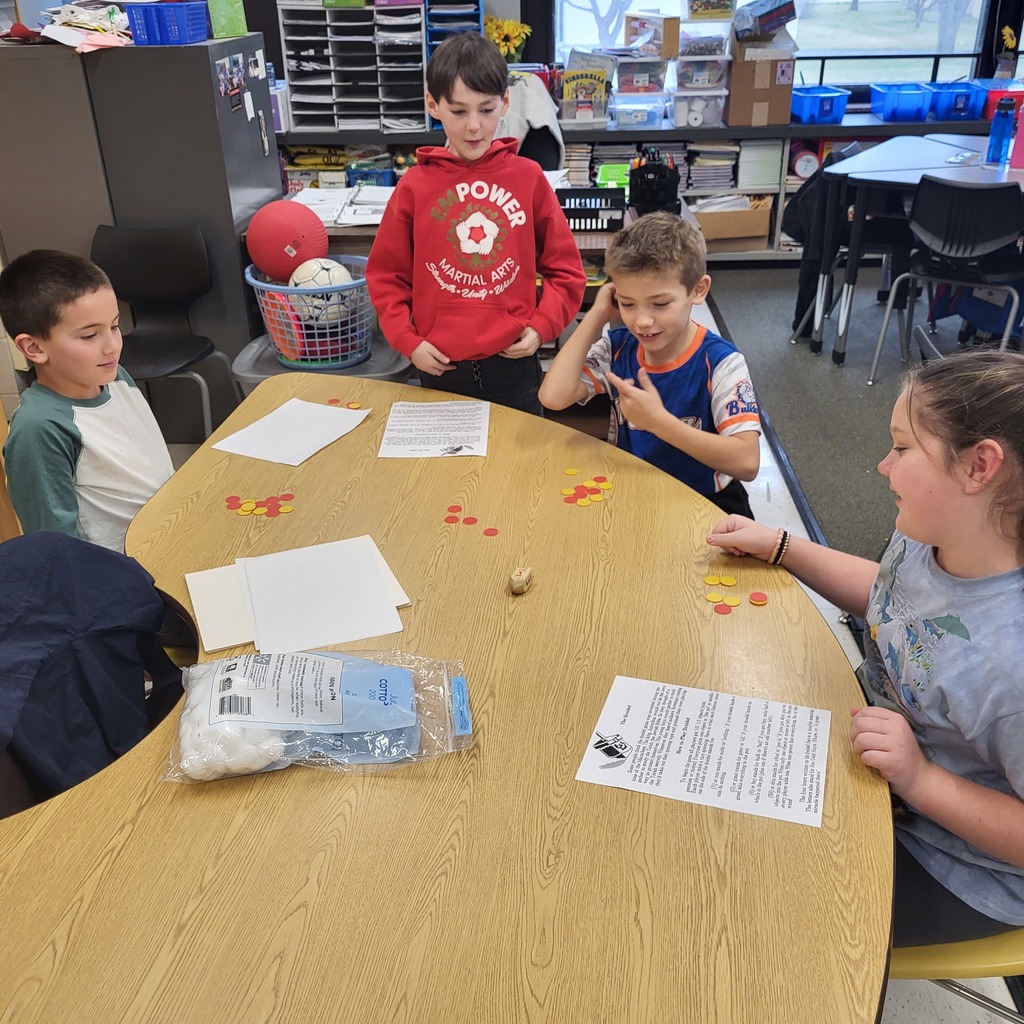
(320, 327)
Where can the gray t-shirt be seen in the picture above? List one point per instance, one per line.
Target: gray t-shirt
(948, 654)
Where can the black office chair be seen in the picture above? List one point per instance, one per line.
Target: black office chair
(804, 221)
(160, 272)
(967, 235)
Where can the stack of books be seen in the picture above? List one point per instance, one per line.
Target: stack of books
(760, 164)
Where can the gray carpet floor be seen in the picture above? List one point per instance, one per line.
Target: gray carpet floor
(832, 426)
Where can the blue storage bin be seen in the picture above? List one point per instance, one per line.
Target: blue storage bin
(370, 176)
(167, 24)
(956, 101)
(639, 109)
(819, 104)
(902, 101)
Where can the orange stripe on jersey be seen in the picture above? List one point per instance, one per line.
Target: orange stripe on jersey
(746, 417)
(684, 357)
(598, 390)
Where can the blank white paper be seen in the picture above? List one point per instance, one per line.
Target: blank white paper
(221, 607)
(292, 432)
(319, 595)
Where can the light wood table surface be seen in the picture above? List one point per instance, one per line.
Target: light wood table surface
(485, 886)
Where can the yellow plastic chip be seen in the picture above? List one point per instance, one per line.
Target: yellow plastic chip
(596, 497)
(712, 581)
(568, 490)
(583, 502)
(248, 505)
(727, 581)
(605, 485)
(260, 510)
(243, 511)
(713, 598)
(571, 472)
(732, 602)
(285, 509)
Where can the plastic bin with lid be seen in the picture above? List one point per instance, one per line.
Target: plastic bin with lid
(641, 74)
(573, 114)
(702, 72)
(704, 39)
(819, 104)
(956, 101)
(690, 109)
(638, 109)
(900, 101)
(996, 89)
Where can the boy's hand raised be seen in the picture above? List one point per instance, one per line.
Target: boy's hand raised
(742, 536)
(605, 307)
(639, 403)
(525, 345)
(428, 359)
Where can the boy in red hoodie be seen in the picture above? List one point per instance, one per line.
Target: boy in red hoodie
(453, 269)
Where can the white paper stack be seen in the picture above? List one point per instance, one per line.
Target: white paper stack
(712, 166)
(299, 599)
(760, 164)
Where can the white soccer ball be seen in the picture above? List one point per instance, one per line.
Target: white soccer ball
(321, 273)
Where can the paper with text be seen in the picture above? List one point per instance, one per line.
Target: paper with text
(292, 432)
(435, 430)
(744, 754)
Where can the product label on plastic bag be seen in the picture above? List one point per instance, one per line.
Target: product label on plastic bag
(274, 690)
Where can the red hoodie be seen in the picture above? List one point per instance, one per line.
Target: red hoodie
(456, 259)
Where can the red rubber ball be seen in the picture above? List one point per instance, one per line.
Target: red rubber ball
(282, 235)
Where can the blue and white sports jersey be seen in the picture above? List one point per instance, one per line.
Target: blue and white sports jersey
(708, 387)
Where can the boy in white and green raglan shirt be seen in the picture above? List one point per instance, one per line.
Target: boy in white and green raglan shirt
(85, 452)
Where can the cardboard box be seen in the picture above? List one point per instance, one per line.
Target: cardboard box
(735, 230)
(760, 82)
(665, 40)
(763, 17)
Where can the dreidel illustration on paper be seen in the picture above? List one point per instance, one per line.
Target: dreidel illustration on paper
(614, 747)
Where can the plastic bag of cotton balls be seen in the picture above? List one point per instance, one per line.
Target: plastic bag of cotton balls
(325, 306)
(206, 750)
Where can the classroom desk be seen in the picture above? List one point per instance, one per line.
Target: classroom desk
(886, 165)
(486, 886)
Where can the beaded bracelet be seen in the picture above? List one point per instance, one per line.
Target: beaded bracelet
(780, 551)
(778, 545)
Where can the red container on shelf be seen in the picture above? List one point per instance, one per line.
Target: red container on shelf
(997, 88)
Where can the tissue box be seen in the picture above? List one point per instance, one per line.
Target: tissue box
(761, 81)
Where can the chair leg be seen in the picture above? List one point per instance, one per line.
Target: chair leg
(1011, 317)
(226, 359)
(1015, 984)
(204, 394)
(996, 1009)
(885, 327)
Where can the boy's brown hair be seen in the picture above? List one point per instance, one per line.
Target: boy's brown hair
(658, 243)
(471, 57)
(36, 288)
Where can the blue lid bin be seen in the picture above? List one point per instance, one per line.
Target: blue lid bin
(903, 101)
(956, 101)
(167, 24)
(819, 104)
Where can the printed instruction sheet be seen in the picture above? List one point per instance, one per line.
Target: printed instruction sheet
(744, 754)
(418, 430)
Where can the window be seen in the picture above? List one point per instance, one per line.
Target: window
(843, 42)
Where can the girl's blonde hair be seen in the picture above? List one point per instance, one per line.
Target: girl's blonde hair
(967, 398)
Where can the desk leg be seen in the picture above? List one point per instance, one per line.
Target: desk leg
(834, 186)
(850, 277)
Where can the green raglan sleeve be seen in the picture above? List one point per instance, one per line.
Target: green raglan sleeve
(40, 457)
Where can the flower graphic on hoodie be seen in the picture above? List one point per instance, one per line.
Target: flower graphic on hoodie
(477, 234)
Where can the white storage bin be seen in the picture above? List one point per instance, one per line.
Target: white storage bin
(704, 39)
(646, 74)
(690, 109)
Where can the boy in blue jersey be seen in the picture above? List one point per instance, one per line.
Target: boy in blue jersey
(84, 452)
(681, 396)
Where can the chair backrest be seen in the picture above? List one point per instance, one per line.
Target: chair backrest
(965, 221)
(9, 525)
(154, 268)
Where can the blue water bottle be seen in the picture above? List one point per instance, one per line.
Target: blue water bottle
(1001, 132)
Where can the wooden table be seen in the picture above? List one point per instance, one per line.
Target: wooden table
(487, 886)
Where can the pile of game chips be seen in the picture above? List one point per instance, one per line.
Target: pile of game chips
(272, 507)
(587, 493)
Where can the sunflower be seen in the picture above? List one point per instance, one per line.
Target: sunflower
(507, 34)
